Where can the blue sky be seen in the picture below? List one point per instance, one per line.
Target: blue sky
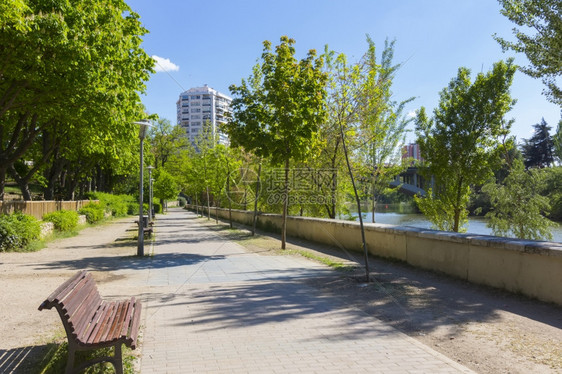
(217, 43)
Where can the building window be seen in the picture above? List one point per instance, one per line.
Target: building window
(195, 97)
(195, 116)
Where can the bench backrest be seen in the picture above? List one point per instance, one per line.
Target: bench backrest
(75, 300)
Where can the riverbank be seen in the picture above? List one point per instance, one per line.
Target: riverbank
(476, 225)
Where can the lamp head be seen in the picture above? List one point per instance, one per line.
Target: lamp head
(144, 125)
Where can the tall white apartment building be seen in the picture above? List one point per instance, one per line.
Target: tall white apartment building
(198, 105)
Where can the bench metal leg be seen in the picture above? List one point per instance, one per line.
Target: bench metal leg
(118, 359)
(70, 362)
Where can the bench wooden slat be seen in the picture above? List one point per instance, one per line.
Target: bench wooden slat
(133, 332)
(93, 321)
(95, 337)
(62, 290)
(125, 323)
(106, 336)
(83, 316)
(97, 322)
(115, 331)
(73, 300)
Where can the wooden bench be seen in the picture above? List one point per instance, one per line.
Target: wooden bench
(92, 323)
(147, 230)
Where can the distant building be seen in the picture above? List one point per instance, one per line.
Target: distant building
(198, 105)
(412, 151)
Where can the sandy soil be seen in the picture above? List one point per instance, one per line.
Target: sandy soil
(28, 278)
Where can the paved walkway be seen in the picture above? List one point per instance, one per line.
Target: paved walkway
(212, 307)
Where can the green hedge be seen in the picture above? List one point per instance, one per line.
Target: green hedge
(157, 207)
(17, 231)
(64, 220)
(118, 205)
(94, 212)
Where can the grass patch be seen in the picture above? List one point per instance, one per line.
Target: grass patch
(322, 259)
(55, 359)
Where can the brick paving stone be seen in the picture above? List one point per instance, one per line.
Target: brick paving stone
(211, 307)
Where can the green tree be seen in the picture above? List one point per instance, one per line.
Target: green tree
(538, 150)
(382, 122)
(557, 143)
(462, 144)
(165, 186)
(280, 120)
(539, 37)
(68, 67)
(165, 140)
(517, 207)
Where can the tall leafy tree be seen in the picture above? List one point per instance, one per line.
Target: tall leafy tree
(165, 140)
(280, 119)
(462, 144)
(538, 150)
(382, 121)
(557, 143)
(539, 37)
(68, 66)
(518, 209)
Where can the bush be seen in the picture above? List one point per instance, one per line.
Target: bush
(182, 201)
(64, 220)
(93, 212)
(157, 207)
(17, 231)
(118, 205)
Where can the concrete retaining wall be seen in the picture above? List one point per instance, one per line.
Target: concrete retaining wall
(532, 268)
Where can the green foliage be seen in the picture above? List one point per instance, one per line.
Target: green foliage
(517, 207)
(17, 231)
(382, 122)
(56, 361)
(557, 143)
(94, 212)
(165, 186)
(72, 72)
(539, 38)
(119, 205)
(538, 150)
(464, 141)
(64, 220)
(182, 201)
(553, 190)
(157, 207)
(277, 115)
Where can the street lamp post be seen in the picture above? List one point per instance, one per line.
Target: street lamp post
(150, 217)
(144, 125)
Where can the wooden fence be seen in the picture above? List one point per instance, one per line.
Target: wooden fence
(40, 208)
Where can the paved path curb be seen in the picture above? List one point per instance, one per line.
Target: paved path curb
(212, 307)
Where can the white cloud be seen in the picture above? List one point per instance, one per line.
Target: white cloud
(164, 64)
(412, 114)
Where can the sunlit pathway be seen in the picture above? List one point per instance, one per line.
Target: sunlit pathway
(211, 307)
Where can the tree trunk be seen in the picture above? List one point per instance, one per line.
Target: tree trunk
(285, 206)
(2, 182)
(208, 205)
(365, 253)
(23, 183)
(258, 187)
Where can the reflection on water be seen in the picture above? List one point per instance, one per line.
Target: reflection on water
(476, 225)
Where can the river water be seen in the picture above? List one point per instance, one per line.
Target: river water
(476, 225)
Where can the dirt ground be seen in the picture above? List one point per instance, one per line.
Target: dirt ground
(487, 330)
(28, 278)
